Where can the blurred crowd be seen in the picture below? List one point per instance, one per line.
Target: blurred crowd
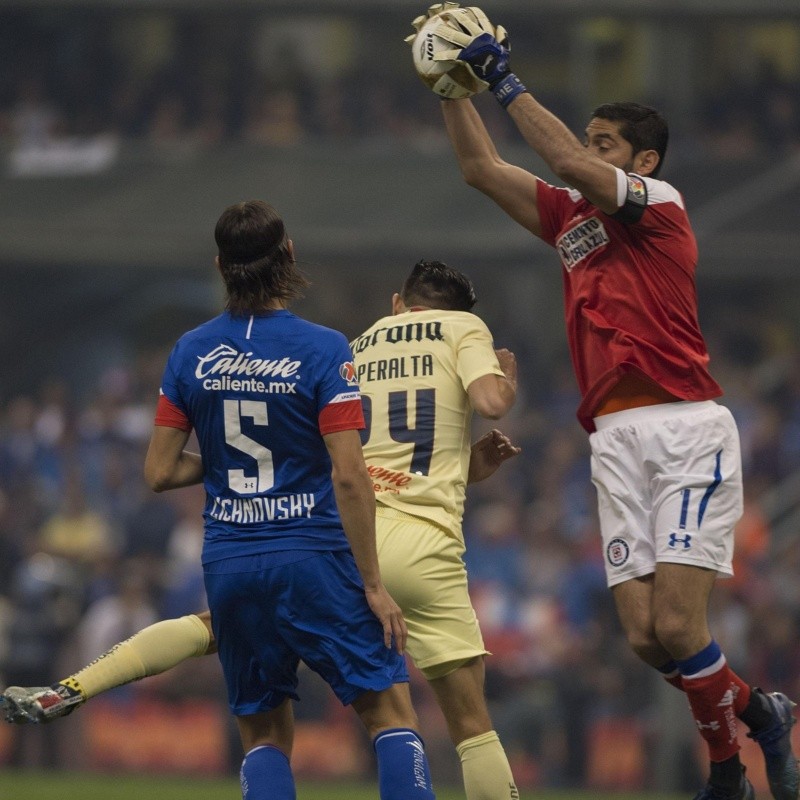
(185, 82)
(88, 555)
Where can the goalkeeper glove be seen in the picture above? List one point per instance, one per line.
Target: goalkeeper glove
(484, 49)
(434, 10)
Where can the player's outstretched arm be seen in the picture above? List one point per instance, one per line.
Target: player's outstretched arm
(511, 187)
(153, 650)
(488, 453)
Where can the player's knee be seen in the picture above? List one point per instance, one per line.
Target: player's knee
(672, 630)
(643, 642)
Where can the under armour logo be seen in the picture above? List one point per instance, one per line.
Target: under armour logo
(712, 726)
(686, 541)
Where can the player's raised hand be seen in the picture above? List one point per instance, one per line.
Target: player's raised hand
(488, 453)
(483, 47)
(390, 616)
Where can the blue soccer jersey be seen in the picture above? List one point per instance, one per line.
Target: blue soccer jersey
(260, 393)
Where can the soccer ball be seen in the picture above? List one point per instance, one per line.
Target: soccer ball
(450, 79)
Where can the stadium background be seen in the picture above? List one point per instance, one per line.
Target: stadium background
(125, 127)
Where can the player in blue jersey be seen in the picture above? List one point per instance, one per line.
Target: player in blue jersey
(289, 555)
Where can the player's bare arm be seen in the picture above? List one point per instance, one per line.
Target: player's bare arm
(585, 168)
(167, 465)
(355, 499)
(485, 50)
(511, 187)
(492, 395)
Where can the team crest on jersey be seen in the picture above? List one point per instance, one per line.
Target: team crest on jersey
(581, 241)
(348, 373)
(617, 552)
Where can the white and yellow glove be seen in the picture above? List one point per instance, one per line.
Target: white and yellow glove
(482, 47)
(459, 71)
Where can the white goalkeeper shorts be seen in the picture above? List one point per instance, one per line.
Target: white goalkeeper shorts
(669, 487)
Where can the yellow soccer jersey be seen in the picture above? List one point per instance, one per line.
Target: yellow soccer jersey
(414, 369)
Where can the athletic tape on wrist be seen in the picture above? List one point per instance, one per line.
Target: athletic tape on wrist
(508, 88)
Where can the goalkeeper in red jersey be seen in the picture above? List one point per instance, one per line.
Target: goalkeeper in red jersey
(665, 456)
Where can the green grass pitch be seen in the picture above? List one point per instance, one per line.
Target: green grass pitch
(78, 786)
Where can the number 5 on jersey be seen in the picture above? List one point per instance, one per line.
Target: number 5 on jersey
(256, 410)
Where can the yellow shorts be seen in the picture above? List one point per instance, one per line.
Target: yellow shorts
(423, 569)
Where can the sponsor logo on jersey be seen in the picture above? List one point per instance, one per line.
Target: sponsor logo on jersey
(407, 332)
(226, 369)
(226, 360)
(348, 373)
(617, 552)
(580, 241)
(390, 479)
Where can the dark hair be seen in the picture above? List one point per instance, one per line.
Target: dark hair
(434, 284)
(642, 126)
(254, 258)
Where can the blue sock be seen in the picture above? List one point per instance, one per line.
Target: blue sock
(709, 658)
(403, 772)
(266, 775)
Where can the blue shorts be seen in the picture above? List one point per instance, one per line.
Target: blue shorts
(266, 618)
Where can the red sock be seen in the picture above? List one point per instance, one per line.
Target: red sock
(715, 700)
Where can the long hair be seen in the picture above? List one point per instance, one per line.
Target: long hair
(434, 284)
(642, 126)
(254, 258)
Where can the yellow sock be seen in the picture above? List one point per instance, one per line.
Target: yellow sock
(487, 774)
(152, 650)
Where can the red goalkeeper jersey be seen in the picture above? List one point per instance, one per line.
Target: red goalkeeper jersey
(630, 299)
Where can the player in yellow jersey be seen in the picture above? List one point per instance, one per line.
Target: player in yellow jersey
(422, 370)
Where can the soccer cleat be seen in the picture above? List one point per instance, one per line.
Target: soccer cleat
(775, 742)
(21, 704)
(744, 791)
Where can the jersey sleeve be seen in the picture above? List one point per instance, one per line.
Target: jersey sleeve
(475, 351)
(555, 206)
(171, 406)
(168, 415)
(339, 396)
(665, 213)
